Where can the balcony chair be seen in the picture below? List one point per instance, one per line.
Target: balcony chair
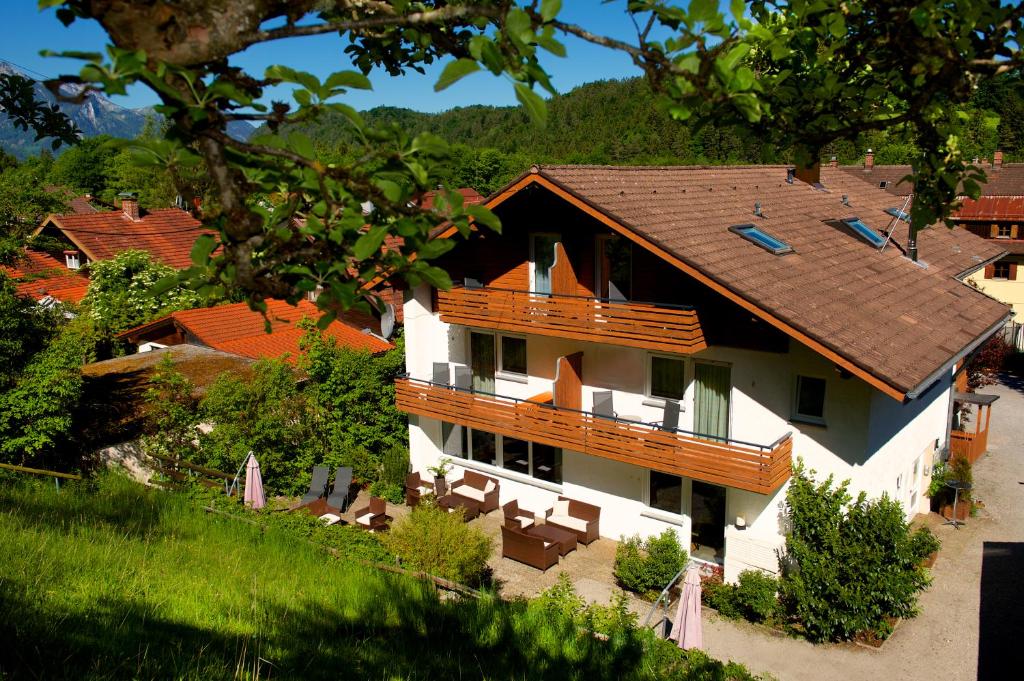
(670, 418)
(533, 551)
(603, 404)
(463, 378)
(469, 282)
(339, 498)
(577, 517)
(480, 488)
(317, 487)
(518, 518)
(373, 516)
(441, 374)
(416, 487)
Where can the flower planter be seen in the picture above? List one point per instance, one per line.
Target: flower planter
(963, 510)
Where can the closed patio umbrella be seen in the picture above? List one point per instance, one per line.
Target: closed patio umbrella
(687, 630)
(254, 484)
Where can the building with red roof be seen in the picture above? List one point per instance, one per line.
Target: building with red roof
(240, 331)
(40, 275)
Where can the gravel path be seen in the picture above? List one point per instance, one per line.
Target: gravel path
(941, 644)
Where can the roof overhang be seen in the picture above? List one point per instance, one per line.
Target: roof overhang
(981, 265)
(52, 219)
(947, 367)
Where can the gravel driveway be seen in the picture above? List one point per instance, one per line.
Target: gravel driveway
(978, 586)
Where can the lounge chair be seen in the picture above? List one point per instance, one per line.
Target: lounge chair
(416, 487)
(517, 518)
(576, 516)
(533, 551)
(373, 516)
(480, 488)
(342, 485)
(318, 486)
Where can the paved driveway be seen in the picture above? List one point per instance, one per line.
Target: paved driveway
(978, 588)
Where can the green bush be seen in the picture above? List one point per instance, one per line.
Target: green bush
(440, 543)
(757, 595)
(647, 566)
(388, 490)
(851, 565)
(721, 596)
(561, 600)
(395, 465)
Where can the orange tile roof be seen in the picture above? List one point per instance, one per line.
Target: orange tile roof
(167, 234)
(470, 196)
(40, 274)
(992, 208)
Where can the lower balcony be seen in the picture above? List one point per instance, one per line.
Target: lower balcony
(743, 465)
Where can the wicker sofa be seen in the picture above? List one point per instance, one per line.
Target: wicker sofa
(576, 516)
(533, 551)
(480, 488)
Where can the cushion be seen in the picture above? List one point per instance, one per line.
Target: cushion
(426, 490)
(365, 519)
(490, 487)
(561, 508)
(577, 524)
(330, 518)
(547, 543)
(524, 522)
(471, 492)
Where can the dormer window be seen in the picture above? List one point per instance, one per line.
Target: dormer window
(762, 239)
(72, 260)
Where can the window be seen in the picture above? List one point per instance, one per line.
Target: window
(668, 377)
(1001, 270)
(483, 447)
(454, 440)
(883, 184)
(899, 214)
(71, 260)
(513, 355)
(515, 455)
(665, 492)
(865, 232)
(614, 267)
(1004, 231)
(547, 463)
(810, 399)
(762, 239)
(542, 462)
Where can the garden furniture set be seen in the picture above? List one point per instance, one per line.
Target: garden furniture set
(540, 546)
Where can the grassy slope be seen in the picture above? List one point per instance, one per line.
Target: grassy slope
(114, 581)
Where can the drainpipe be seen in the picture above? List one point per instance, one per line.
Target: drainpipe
(912, 241)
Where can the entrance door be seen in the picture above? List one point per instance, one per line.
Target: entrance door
(713, 383)
(614, 266)
(707, 513)
(542, 258)
(482, 361)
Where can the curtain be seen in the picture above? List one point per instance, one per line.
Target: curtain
(711, 412)
(482, 361)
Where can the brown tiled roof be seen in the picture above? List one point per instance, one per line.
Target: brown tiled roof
(892, 318)
(992, 208)
(39, 275)
(892, 175)
(167, 234)
(82, 204)
(470, 196)
(1007, 180)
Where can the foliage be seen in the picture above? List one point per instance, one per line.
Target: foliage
(388, 490)
(390, 483)
(755, 597)
(721, 596)
(442, 468)
(984, 365)
(851, 564)
(85, 167)
(19, 105)
(171, 409)
(433, 540)
(26, 197)
(561, 600)
(646, 566)
(25, 329)
(121, 292)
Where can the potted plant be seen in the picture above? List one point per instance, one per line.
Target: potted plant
(942, 496)
(440, 471)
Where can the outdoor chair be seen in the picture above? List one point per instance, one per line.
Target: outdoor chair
(441, 374)
(339, 498)
(518, 518)
(416, 487)
(469, 282)
(670, 418)
(480, 488)
(576, 516)
(317, 487)
(533, 551)
(374, 515)
(463, 378)
(603, 404)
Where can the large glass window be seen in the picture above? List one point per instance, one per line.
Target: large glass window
(455, 440)
(542, 462)
(547, 463)
(515, 455)
(483, 447)
(513, 355)
(666, 492)
(810, 398)
(667, 377)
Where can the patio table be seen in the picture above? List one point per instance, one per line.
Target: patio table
(450, 502)
(566, 540)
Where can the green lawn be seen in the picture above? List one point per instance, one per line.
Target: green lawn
(107, 579)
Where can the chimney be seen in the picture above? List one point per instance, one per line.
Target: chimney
(810, 174)
(869, 160)
(997, 160)
(833, 162)
(130, 204)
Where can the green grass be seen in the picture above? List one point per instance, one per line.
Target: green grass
(108, 580)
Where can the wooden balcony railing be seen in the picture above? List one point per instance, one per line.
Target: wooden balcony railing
(752, 467)
(641, 325)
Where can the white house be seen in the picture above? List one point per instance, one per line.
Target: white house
(769, 317)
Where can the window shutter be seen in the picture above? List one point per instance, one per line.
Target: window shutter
(990, 271)
(1013, 271)
(1014, 231)
(993, 231)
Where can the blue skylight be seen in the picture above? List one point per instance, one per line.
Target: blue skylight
(865, 232)
(897, 213)
(762, 239)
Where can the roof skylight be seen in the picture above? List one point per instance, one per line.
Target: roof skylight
(865, 232)
(762, 239)
(897, 213)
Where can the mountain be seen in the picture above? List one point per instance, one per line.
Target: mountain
(96, 115)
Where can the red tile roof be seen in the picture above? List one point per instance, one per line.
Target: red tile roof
(167, 234)
(470, 196)
(237, 329)
(992, 208)
(40, 274)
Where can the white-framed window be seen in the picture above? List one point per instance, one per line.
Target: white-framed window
(809, 399)
(497, 355)
(542, 259)
(532, 459)
(666, 377)
(512, 355)
(72, 260)
(664, 492)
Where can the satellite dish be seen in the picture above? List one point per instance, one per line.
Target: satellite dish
(387, 320)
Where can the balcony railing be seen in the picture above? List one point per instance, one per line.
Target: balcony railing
(733, 463)
(670, 328)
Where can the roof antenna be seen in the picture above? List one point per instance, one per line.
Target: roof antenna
(757, 208)
(846, 200)
(789, 175)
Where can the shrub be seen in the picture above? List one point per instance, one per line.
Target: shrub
(562, 600)
(395, 465)
(854, 565)
(647, 566)
(757, 595)
(435, 541)
(721, 596)
(388, 490)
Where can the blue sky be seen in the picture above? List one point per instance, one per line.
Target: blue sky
(26, 31)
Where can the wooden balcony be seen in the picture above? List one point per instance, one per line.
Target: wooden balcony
(742, 465)
(640, 325)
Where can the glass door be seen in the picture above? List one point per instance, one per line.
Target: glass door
(711, 399)
(542, 258)
(482, 361)
(614, 268)
(707, 513)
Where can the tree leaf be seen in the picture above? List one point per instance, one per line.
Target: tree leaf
(533, 103)
(549, 9)
(350, 79)
(202, 249)
(484, 216)
(454, 71)
(370, 242)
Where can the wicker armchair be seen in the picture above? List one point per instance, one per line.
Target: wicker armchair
(533, 551)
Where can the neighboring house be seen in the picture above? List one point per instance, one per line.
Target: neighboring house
(167, 234)
(238, 330)
(44, 278)
(771, 312)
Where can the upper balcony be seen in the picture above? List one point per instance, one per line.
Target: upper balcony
(668, 328)
(732, 463)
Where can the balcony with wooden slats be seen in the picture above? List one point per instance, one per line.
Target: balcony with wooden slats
(639, 325)
(742, 465)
